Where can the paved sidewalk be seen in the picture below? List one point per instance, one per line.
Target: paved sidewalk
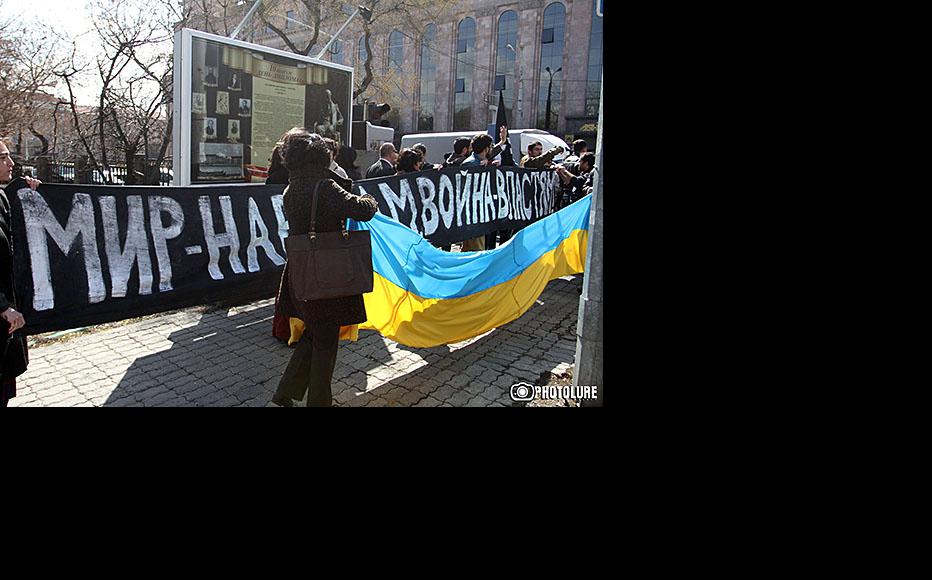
(228, 357)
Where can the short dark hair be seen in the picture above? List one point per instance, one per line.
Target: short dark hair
(579, 145)
(386, 148)
(588, 158)
(420, 147)
(481, 142)
(533, 145)
(408, 160)
(275, 161)
(346, 158)
(300, 149)
(460, 144)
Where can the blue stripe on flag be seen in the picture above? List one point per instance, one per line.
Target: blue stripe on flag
(403, 257)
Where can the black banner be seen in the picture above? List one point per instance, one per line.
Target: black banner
(87, 255)
(453, 205)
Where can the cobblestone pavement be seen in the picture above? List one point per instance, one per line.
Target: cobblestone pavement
(228, 357)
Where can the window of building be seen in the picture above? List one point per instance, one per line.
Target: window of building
(393, 65)
(594, 78)
(551, 56)
(425, 117)
(336, 52)
(289, 16)
(505, 59)
(465, 68)
(396, 51)
(361, 56)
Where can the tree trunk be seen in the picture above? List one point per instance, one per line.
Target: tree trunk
(42, 138)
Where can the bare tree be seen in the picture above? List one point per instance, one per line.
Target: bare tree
(213, 16)
(28, 57)
(325, 16)
(133, 69)
(410, 17)
(315, 10)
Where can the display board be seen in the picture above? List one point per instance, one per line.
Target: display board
(233, 100)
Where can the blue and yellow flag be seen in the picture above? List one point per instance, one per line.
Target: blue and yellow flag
(425, 297)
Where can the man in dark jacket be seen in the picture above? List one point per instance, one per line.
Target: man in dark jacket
(385, 166)
(14, 356)
(580, 148)
(536, 159)
(459, 154)
(581, 185)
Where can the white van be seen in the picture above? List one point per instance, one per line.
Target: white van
(439, 143)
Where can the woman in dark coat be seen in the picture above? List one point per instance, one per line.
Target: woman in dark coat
(277, 171)
(307, 158)
(281, 324)
(346, 158)
(14, 356)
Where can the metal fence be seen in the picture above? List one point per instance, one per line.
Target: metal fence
(64, 172)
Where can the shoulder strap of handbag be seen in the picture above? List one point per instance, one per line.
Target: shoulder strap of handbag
(313, 232)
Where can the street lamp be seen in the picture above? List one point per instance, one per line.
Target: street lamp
(549, 87)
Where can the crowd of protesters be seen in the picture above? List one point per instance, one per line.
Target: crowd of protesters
(575, 171)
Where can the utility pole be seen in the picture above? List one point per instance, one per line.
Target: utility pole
(588, 369)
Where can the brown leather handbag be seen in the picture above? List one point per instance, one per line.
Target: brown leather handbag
(329, 264)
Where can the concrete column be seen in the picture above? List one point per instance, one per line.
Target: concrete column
(588, 370)
(80, 170)
(44, 169)
(484, 71)
(575, 60)
(446, 70)
(529, 26)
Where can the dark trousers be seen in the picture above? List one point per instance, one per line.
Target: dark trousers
(311, 366)
(7, 391)
(502, 236)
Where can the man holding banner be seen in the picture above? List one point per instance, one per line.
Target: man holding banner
(14, 356)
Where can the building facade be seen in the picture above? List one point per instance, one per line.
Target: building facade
(544, 55)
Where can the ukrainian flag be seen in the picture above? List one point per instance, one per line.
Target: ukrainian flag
(424, 297)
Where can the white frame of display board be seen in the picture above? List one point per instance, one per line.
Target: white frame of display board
(182, 95)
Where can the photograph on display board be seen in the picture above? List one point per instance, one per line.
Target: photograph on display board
(210, 128)
(199, 103)
(268, 94)
(223, 103)
(220, 161)
(210, 78)
(245, 107)
(330, 119)
(234, 83)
